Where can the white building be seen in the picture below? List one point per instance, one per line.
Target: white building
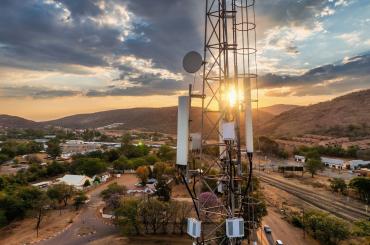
(356, 164)
(299, 158)
(42, 185)
(333, 162)
(76, 181)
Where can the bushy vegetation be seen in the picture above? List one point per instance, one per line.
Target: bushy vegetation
(351, 130)
(88, 166)
(362, 186)
(338, 185)
(54, 149)
(113, 189)
(151, 216)
(328, 229)
(12, 148)
(325, 228)
(18, 200)
(332, 151)
(269, 147)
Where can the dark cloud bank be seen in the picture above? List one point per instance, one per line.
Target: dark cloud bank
(39, 36)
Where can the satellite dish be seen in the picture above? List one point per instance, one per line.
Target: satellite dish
(192, 62)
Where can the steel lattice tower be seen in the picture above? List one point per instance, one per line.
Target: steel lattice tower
(229, 68)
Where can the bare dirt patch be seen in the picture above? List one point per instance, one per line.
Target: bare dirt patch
(145, 239)
(22, 232)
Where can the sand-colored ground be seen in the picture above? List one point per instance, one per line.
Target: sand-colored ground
(24, 231)
(147, 240)
(283, 231)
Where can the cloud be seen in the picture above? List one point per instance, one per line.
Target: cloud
(327, 11)
(34, 92)
(341, 3)
(352, 38)
(286, 37)
(126, 37)
(139, 44)
(343, 76)
(153, 86)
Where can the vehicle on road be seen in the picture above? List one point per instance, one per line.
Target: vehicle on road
(267, 229)
(279, 242)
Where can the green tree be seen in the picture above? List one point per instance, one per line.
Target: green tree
(126, 139)
(4, 158)
(111, 155)
(87, 183)
(60, 193)
(270, 147)
(12, 205)
(121, 163)
(325, 228)
(313, 165)
(79, 199)
(39, 206)
(88, 166)
(9, 148)
(36, 201)
(163, 190)
(132, 151)
(113, 189)
(55, 195)
(151, 159)
(362, 186)
(362, 228)
(127, 216)
(138, 162)
(3, 219)
(338, 185)
(159, 169)
(166, 153)
(55, 168)
(54, 149)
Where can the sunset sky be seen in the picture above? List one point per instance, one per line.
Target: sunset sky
(63, 57)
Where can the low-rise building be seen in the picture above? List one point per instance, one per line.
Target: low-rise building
(42, 185)
(356, 164)
(299, 158)
(77, 181)
(333, 162)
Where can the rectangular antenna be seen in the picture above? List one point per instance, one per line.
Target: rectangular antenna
(183, 130)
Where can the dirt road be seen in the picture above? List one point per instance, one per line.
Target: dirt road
(283, 231)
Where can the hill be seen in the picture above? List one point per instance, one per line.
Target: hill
(153, 119)
(335, 117)
(278, 108)
(348, 115)
(17, 122)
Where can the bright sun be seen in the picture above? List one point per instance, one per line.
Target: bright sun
(232, 96)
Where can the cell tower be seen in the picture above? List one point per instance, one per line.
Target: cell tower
(223, 211)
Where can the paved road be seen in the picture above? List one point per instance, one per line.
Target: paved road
(342, 209)
(88, 220)
(283, 231)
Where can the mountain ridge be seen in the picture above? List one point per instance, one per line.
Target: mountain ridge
(277, 120)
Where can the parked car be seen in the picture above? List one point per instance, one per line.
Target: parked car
(279, 242)
(267, 229)
(151, 181)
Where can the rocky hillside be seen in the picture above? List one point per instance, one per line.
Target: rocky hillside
(17, 122)
(348, 111)
(278, 108)
(347, 115)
